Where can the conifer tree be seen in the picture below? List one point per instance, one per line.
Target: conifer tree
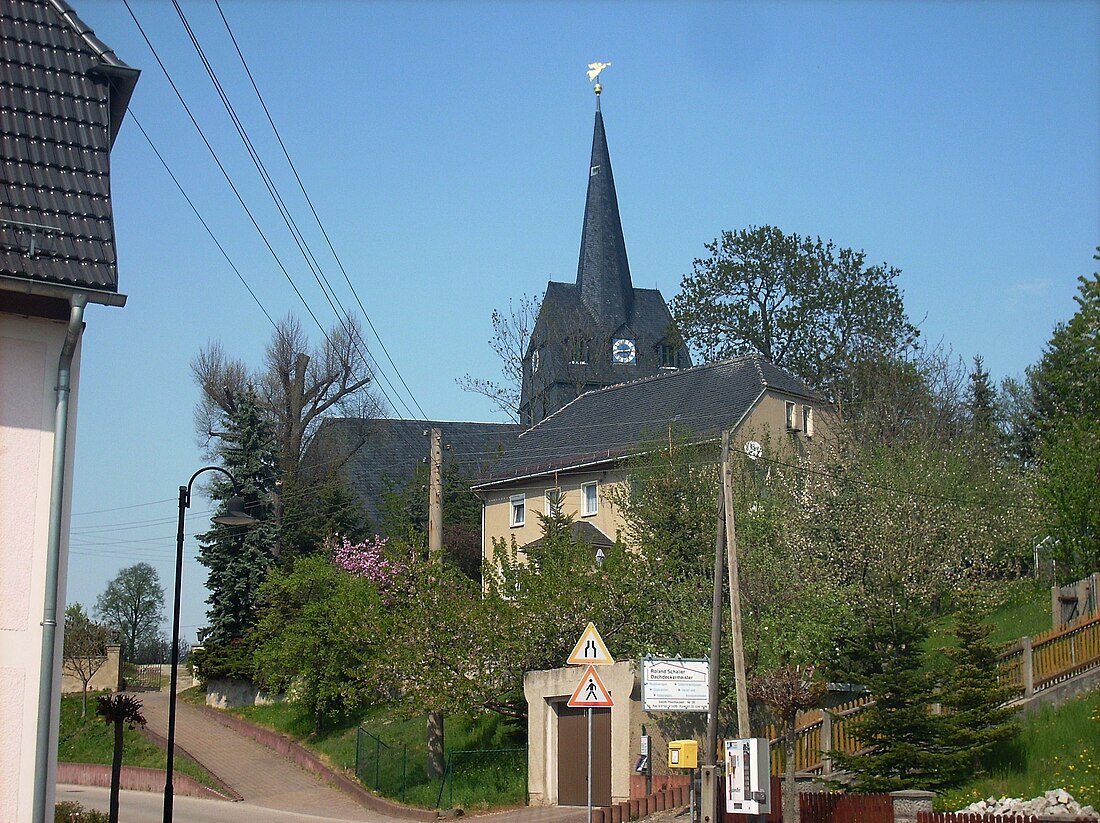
(976, 718)
(899, 736)
(239, 558)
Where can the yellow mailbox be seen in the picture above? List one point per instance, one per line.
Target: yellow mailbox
(683, 754)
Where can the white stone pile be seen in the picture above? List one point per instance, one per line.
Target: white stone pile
(1055, 803)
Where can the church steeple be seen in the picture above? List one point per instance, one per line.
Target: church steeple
(603, 273)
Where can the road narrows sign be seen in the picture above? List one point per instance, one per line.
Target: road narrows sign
(590, 650)
(591, 693)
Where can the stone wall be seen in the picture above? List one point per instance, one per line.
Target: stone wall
(231, 694)
(108, 677)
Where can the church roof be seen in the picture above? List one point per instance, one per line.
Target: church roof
(65, 94)
(374, 452)
(603, 273)
(601, 425)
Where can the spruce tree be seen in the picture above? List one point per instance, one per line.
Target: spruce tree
(898, 734)
(976, 718)
(239, 557)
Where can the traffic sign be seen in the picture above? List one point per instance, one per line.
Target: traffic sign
(590, 650)
(591, 693)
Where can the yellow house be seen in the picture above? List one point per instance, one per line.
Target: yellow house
(577, 452)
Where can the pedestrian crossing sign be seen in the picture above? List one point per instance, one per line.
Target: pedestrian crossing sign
(590, 650)
(591, 693)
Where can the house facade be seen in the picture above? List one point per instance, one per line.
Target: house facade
(64, 97)
(578, 452)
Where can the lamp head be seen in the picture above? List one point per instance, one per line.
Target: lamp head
(235, 515)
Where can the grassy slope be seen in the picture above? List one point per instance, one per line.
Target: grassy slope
(90, 740)
(400, 742)
(1058, 748)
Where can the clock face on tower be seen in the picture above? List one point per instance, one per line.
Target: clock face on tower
(623, 351)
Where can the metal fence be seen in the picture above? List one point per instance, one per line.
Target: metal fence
(471, 776)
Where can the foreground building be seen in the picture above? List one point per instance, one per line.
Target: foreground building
(64, 97)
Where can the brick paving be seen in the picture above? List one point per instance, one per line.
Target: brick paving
(261, 776)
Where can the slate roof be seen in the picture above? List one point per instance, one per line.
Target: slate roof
(64, 94)
(581, 530)
(384, 450)
(603, 273)
(609, 423)
(601, 306)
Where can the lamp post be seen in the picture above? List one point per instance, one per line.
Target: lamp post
(235, 515)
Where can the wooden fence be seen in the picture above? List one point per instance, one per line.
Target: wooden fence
(1030, 666)
(827, 807)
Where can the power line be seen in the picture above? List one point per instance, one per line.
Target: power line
(316, 216)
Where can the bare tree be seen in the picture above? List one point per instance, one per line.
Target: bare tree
(297, 386)
(511, 335)
(85, 649)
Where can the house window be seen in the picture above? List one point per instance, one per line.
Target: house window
(792, 417)
(668, 356)
(590, 499)
(808, 420)
(518, 504)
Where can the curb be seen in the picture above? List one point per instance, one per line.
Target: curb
(134, 778)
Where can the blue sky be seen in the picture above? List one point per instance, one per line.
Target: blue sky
(445, 146)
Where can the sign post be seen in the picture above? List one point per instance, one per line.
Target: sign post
(590, 693)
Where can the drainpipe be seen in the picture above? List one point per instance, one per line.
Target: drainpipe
(46, 697)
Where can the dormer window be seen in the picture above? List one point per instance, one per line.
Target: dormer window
(792, 416)
(578, 350)
(667, 355)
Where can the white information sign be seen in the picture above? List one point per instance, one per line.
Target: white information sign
(670, 684)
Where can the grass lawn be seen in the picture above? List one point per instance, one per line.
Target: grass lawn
(1023, 610)
(393, 754)
(1058, 748)
(90, 740)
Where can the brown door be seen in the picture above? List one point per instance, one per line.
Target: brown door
(573, 756)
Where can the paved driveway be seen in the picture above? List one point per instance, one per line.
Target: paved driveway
(261, 776)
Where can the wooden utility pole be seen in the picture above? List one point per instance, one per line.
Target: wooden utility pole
(435, 765)
(708, 772)
(739, 679)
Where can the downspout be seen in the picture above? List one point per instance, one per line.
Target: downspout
(46, 697)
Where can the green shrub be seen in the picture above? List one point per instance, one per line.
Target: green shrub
(70, 812)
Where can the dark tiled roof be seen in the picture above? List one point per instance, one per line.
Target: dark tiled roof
(603, 273)
(383, 450)
(608, 423)
(64, 97)
(582, 531)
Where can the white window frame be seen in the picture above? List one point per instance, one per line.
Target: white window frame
(792, 416)
(808, 420)
(594, 485)
(517, 505)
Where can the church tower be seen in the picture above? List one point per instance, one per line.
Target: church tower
(600, 331)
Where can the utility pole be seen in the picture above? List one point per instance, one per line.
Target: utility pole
(435, 555)
(708, 772)
(739, 680)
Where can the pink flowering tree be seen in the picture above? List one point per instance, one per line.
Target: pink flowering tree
(367, 559)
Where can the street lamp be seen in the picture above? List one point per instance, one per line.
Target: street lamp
(235, 515)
